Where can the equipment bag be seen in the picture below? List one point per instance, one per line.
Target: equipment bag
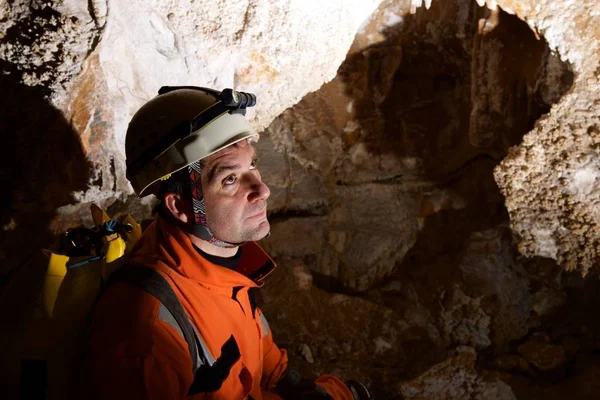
(77, 269)
(86, 263)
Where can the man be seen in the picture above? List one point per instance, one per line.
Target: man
(191, 147)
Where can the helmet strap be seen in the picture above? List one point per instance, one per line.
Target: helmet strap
(200, 227)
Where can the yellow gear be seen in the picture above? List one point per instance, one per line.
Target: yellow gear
(69, 289)
(78, 279)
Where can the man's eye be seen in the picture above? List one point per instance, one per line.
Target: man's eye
(230, 180)
(253, 164)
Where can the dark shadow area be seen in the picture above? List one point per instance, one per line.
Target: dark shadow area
(459, 91)
(568, 336)
(453, 90)
(41, 164)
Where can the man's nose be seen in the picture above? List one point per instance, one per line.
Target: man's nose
(258, 189)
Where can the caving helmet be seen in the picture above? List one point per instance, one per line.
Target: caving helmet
(176, 130)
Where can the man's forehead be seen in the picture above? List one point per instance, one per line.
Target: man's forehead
(237, 147)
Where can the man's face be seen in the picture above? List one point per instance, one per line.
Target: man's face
(234, 195)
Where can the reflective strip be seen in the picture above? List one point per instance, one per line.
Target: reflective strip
(165, 315)
(204, 355)
(265, 324)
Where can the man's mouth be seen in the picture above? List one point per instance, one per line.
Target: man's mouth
(260, 214)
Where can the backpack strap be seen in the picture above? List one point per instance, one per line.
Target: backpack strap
(209, 374)
(156, 285)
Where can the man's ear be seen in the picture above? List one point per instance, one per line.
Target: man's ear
(176, 206)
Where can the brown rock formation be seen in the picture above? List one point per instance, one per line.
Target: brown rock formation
(551, 180)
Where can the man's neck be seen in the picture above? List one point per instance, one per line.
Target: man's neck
(211, 248)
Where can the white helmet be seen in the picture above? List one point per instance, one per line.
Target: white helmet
(182, 125)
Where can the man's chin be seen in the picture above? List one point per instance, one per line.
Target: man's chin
(262, 231)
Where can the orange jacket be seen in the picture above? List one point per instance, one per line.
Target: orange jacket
(134, 354)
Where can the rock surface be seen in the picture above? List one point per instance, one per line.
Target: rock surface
(44, 43)
(455, 378)
(552, 179)
(491, 270)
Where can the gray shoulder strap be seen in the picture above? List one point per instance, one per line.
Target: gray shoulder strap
(204, 355)
(155, 284)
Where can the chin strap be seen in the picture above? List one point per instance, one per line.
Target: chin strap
(200, 227)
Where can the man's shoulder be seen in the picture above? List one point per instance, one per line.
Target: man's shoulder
(127, 338)
(125, 322)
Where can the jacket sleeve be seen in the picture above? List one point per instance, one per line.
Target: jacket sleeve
(335, 387)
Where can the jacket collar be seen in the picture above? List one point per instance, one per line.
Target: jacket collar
(164, 244)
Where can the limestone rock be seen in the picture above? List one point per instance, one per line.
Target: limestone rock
(249, 45)
(512, 363)
(306, 353)
(543, 355)
(464, 322)
(44, 43)
(370, 139)
(358, 243)
(551, 180)
(504, 42)
(296, 238)
(370, 230)
(547, 300)
(490, 269)
(98, 67)
(294, 189)
(455, 378)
